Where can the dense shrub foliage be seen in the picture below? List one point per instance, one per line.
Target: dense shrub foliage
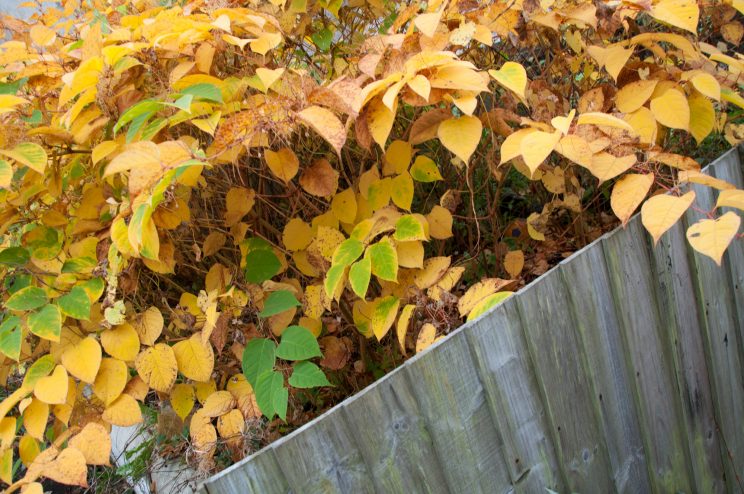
(234, 212)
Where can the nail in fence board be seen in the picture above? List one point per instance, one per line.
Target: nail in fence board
(451, 397)
(323, 457)
(588, 287)
(678, 309)
(257, 474)
(547, 323)
(721, 339)
(394, 438)
(513, 398)
(649, 360)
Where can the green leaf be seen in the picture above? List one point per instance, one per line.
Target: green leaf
(384, 260)
(347, 252)
(46, 322)
(298, 343)
(14, 256)
(359, 276)
(261, 265)
(30, 154)
(12, 87)
(75, 304)
(383, 317)
(79, 264)
(184, 102)
(259, 357)
(10, 337)
(307, 375)
(323, 39)
(277, 302)
(334, 277)
(408, 228)
(41, 368)
(146, 108)
(28, 298)
(488, 303)
(271, 395)
(425, 170)
(205, 91)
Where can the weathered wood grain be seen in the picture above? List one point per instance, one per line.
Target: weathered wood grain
(257, 474)
(557, 359)
(323, 456)
(682, 335)
(451, 397)
(648, 358)
(514, 400)
(588, 287)
(394, 439)
(721, 341)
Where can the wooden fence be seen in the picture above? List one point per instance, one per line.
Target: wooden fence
(620, 370)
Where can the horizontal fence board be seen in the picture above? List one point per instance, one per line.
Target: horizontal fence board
(630, 275)
(548, 327)
(678, 310)
(452, 399)
(513, 397)
(621, 370)
(394, 439)
(588, 287)
(258, 474)
(721, 338)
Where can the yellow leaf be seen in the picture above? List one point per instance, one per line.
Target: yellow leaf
(644, 124)
(195, 359)
(182, 399)
(514, 262)
(326, 124)
(563, 123)
(231, 425)
(141, 154)
(157, 366)
(576, 149)
(30, 154)
(28, 450)
(428, 23)
(68, 468)
(35, 417)
(111, 380)
(479, 291)
(598, 118)
(606, 166)
(512, 76)
(402, 191)
(674, 160)
(239, 202)
(297, 235)
(410, 254)
(218, 403)
(537, 146)
(121, 342)
(661, 212)
(628, 193)
(683, 14)
(82, 359)
(149, 325)
(282, 163)
(42, 35)
(420, 85)
(433, 270)
(712, 237)
(94, 443)
(671, 109)
(204, 390)
(731, 198)
(612, 58)
(269, 76)
(440, 223)
(102, 150)
(425, 337)
(52, 389)
(380, 120)
(401, 327)
(695, 176)
(344, 206)
(123, 412)
(533, 232)
(397, 158)
(707, 85)
(383, 315)
(702, 116)
(461, 135)
(633, 96)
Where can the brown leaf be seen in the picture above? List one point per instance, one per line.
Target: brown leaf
(219, 333)
(425, 127)
(336, 352)
(320, 179)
